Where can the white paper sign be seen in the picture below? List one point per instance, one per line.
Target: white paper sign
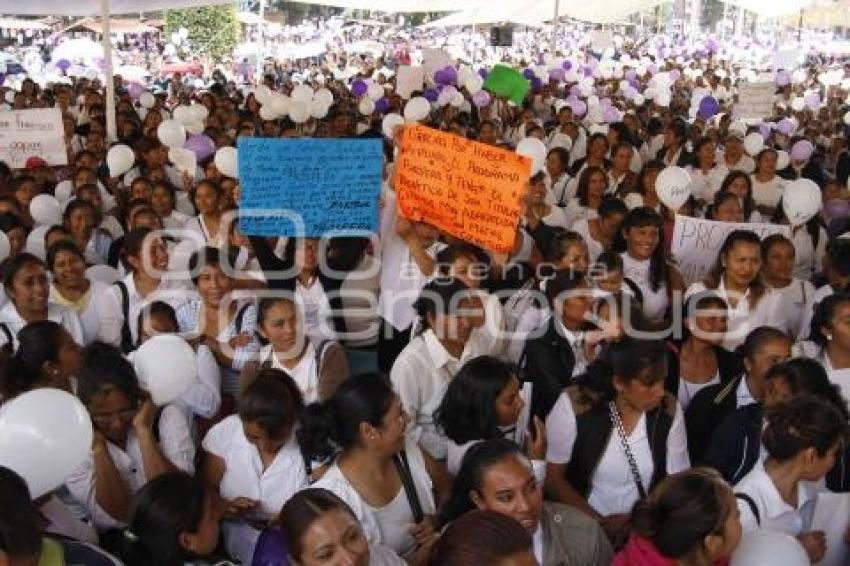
(696, 242)
(755, 101)
(832, 516)
(408, 80)
(32, 133)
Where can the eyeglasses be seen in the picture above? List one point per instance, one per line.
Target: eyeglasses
(105, 419)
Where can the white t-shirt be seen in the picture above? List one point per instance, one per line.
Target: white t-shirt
(594, 247)
(768, 193)
(688, 390)
(654, 302)
(774, 513)
(612, 487)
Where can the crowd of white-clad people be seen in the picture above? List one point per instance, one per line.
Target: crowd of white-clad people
(411, 398)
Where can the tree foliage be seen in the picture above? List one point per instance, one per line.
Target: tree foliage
(213, 30)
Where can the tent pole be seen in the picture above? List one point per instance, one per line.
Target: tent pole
(111, 127)
(261, 31)
(555, 30)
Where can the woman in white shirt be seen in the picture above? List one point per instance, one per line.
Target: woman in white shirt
(47, 357)
(26, 286)
(830, 339)
(741, 185)
(206, 226)
(387, 480)
(706, 174)
(592, 184)
(164, 200)
(736, 277)
(601, 467)
(134, 441)
(539, 210)
(809, 242)
(79, 220)
(424, 368)
(768, 187)
(802, 439)
(254, 461)
(777, 270)
(599, 233)
(557, 162)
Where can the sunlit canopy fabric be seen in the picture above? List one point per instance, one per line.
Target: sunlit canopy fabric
(116, 25)
(773, 8)
(92, 7)
(10, 23)
(538, 11)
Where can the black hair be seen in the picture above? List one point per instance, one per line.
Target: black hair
(720, 198)
(467, 411)
(749, 204)
(273, 402)
(480, 537)
(611, 206)
(560, 244)
(583, 189)
(206, 256)
(168, 505)
(13, 265)
(156, 309)
(758, 338)
(627, 359)
(453, 252)
(470, 477)
(62, 246)
(697, 302)
(808, 376)
(563, 281)
(563, 156)
(22, 370)
(642, 217)
(74, 205)
(301, 511)
(838, 254)
(804, 422)
(714, 277)
(335, 423)
(824, 314)
(103, 369)
(10, 221)
(267, 303)
(19, 532)
(682, 510)
(439, 296)
(134, 241)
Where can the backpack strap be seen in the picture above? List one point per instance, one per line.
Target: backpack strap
(403, 467)
(752, 505)
(321, 348)
(156, 418)
(240, 316)
(10, 340)
(126, 335)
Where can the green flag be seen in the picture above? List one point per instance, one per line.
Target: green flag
(506, 82)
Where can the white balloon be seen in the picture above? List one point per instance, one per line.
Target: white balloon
(638, 99)
(417, 109)
(120, 159)
(45, 210)
(798, 104)
(147, 100)
(279, 103)
(366, 106)
(199, 112)
(103, 273)
(195, 128)
(324, 95)
(267, 113)
(673, 187)
(801, 201)
(171, 133)
(35, 242)
(457, 100)
(390, 123)
(535, 150)
(473, 84)
(633, 200)
(299, 111)
(45, 434)
(183, 114)
(166, 366)
(318, 109)
(769, 548)
(783, 160)
(375, 91)
(463, 74)
(263, 94)
(753, 143)
(226, 162)
(847, 119)
(183, 159)
(302, 93)
(5, 246)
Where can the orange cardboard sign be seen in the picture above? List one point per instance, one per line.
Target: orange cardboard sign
(468, 189)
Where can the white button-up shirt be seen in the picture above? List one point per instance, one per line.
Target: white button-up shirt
(774, 513)
(14, 322)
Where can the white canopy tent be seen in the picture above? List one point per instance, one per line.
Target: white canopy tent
(772, 9)
(538, 11)
(105, 9)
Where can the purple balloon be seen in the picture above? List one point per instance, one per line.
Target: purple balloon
(631, 75)
(63, 64)
(579, 108)
(812, 100)
(802, 151)
(708, 107)
(567, 65)
(202, 145)
(528, 73)
(382, 105)
(588, 72)
(431, 95)
(536, 85)
(556, 75)
(785, 126)
(135, 90)
(575, 91)
(653, 69)
(629, 92)
(764, 130)
(446, 76)
(611, 115)
(836, 208)
(572, 98)
(2, 78)
(481, 98)
(783, 78)
(605, 103)
(482, 73)
(359, 88)
(712, 46)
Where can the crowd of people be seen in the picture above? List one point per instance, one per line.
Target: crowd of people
(412, 398)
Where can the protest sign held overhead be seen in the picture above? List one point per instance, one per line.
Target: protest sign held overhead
(468, 189)
(755, 101)
(32, 133)
(308, 187)
(507, 83)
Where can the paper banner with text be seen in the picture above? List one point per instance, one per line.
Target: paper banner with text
(696, 242)
(755, 101)
(307, 187)
(32, 133)
(471, 190)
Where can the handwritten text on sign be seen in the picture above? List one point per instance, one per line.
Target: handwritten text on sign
(471, 190)
(331, 184)
(32, 133)
(696, 242)
(755, 101)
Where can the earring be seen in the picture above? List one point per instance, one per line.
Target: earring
(829, 337)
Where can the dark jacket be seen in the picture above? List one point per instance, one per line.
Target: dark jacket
(729, 365)
(811, 170)
(547, 362)
(685, 158)
(705, 412)
(735, 445)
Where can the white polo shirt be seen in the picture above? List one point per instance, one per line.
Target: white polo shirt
(774, 513)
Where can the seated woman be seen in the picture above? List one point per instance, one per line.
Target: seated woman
(483, 402)
(175, 522)
(26, 286)
(388, 481)
(802, 439)
(689, 518)
(316, 527)
(134, 441)
(601, 468)
(253, 460)
(317, 367)
(496, 476)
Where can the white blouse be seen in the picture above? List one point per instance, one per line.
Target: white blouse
(768, 193)
(654, 302)
(774, 513)
(13, 322)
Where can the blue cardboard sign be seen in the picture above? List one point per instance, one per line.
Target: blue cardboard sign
(308, 187)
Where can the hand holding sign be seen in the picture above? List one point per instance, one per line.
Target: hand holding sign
(673, 187)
